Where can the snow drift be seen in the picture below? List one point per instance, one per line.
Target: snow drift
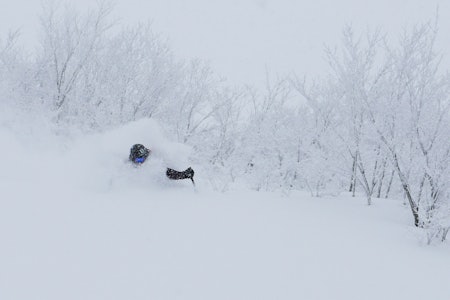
(78, 222)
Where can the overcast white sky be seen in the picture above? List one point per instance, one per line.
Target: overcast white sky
(242, 38)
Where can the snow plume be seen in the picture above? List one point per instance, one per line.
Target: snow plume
(97, 161)
(109, 153)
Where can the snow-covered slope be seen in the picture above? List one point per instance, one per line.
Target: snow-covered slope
(78, 222)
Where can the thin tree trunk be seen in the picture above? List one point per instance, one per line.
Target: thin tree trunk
(390, 184)
(380, 185)
(444, 233)
(412, 204)
(352, 179)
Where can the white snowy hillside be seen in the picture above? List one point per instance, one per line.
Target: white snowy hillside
(327, 182)
(77, 221)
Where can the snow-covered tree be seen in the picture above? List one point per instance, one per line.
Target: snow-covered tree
(69, 43)
(411, 117)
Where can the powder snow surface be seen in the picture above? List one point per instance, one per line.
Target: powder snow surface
(83, 224)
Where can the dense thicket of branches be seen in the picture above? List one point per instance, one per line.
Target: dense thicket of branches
(378, 123)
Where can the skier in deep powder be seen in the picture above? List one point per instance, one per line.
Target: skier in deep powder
(139, 153)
